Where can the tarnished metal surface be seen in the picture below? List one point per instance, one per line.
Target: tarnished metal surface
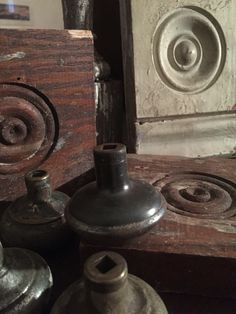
(36, 221)
(25, 282)
(107, 288)
(102, 70)
(27, 129)
(199, 195)
(115, 207)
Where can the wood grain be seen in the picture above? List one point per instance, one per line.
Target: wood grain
(57, 66)
(183, 254)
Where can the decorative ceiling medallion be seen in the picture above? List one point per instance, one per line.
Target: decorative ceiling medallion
(199, 195)
(27, 129)
(189, 50)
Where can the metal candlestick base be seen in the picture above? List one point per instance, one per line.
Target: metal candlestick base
(107, 288)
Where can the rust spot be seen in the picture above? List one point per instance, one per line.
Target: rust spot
(234, 107)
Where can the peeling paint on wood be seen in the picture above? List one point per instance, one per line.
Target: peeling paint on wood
(12, 56)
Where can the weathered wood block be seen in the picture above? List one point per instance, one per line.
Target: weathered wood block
(193, 248)
(47, 111)
(179, 64)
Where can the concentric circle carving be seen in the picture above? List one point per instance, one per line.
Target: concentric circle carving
(27, 129)
(189, 50)
(199, 195)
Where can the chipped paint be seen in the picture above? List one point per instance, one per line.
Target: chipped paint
(62, 141)
(79, 34)
(229, 228)
(60, 144)
(12, 56)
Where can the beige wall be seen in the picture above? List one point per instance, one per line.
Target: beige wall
(43, 14)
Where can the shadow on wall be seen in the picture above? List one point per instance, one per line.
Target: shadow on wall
(107, 29)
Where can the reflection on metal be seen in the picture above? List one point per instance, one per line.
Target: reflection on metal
(36, 221)
(25, 282)
(108, 288)
(189, 49)
(115, 208)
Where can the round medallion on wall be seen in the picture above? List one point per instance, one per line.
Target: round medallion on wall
(199, 195)
(189, 50)
(27, 129)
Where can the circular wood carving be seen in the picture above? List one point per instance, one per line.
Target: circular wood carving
(27, 129)
(189, 50)
(199, 195)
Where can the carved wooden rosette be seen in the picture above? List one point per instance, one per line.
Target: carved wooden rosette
(27, 129)
(179, 69)
(189, 49)
(47, 111)
(199, 195)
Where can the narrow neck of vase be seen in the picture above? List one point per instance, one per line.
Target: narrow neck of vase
(38, 186)
(111, 167)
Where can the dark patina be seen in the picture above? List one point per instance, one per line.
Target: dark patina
(25, 282)
(115, 207)
(36, 221)
(107, 288)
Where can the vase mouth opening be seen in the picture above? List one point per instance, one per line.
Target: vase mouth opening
(37, 175)
(105, 272)
(110, 148)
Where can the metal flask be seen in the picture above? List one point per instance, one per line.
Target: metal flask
(107, 288)
(36, 221)
(115, 208)
(25, 282)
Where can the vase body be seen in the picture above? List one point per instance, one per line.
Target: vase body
(25, 282)
(36, 221)
(114, 208)
(107, 288)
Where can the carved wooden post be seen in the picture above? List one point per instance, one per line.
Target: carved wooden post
(78, 14)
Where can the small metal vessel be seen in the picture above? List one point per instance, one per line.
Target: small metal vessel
(25, 282)
(107, 288)
(115, 208)
(36, 221)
